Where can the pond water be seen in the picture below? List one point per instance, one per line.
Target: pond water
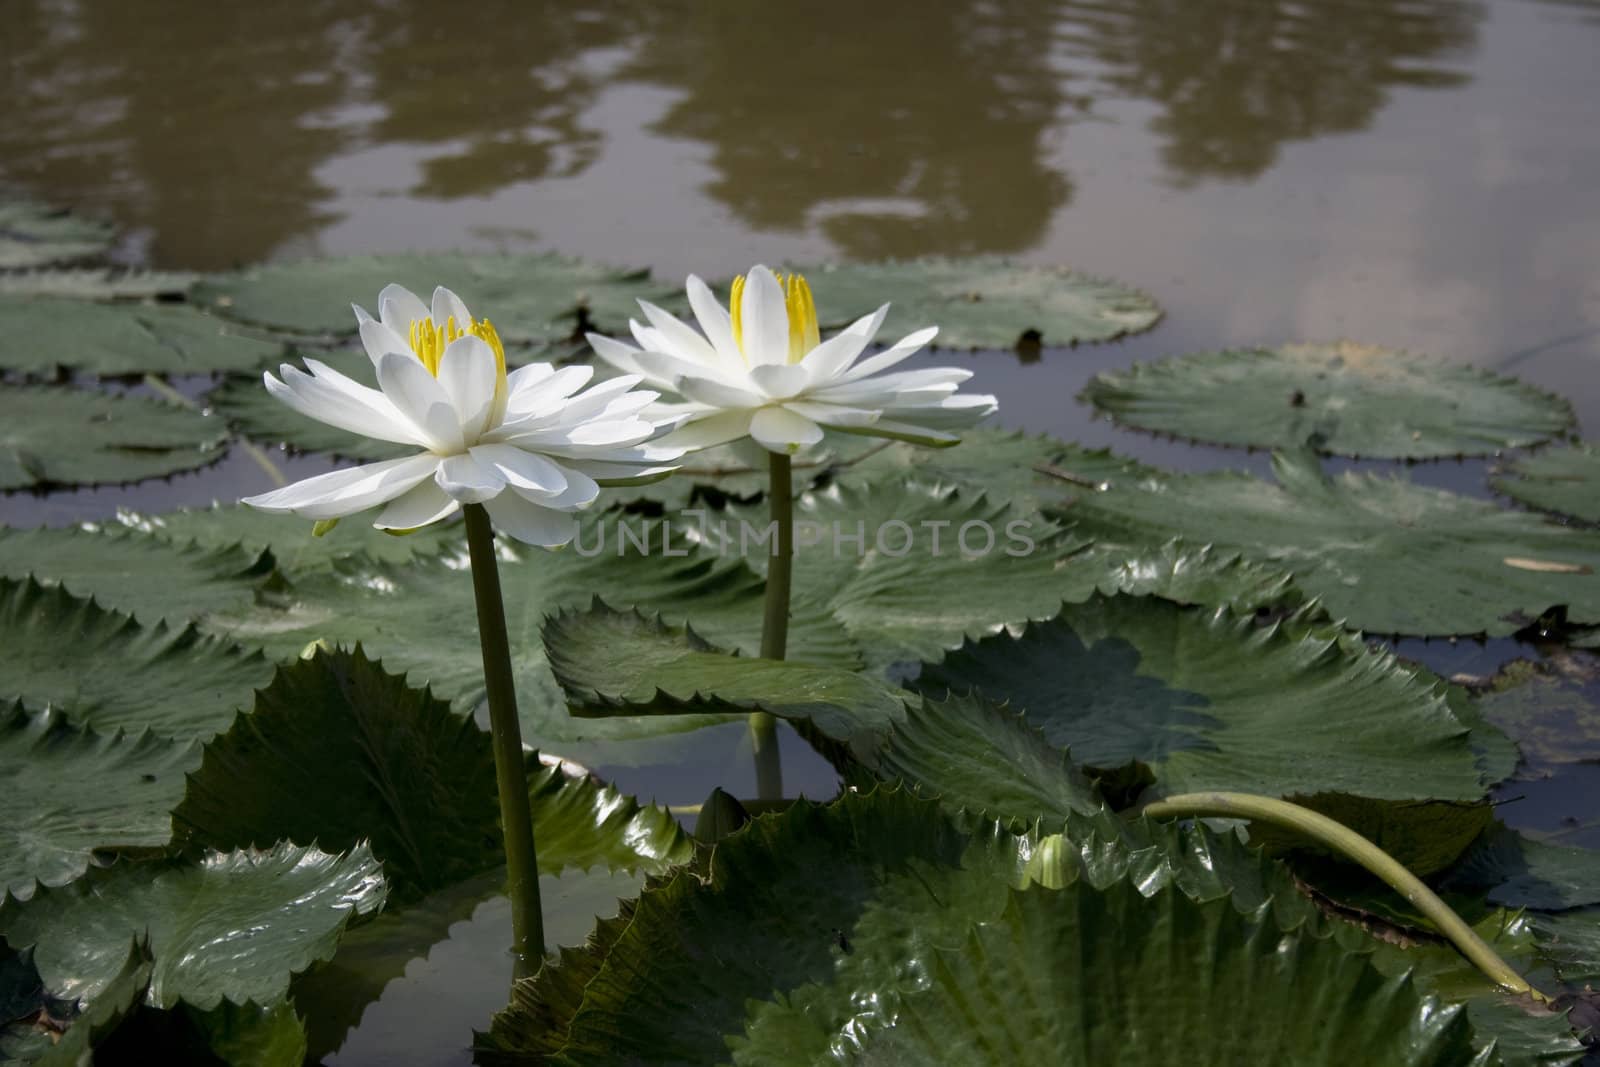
(1412, 173)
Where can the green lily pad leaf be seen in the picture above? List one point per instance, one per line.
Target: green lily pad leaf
(1381, 553)
(1549, 712)
(1348, 399)
(999, 463)
(1563, 480)
(1569, 943)
(612, 662)
(395, 613)
(294, 546)
(976, 755)
(175, 682)
(120, 997)
(98, 283)
(33, 235)
(232, 926)
(126, 571)
(981, 301)
(541, 298)
(1041, 972)
(337, 750)
(72, 791)
(60, 437)
(28, 1013)
(39, 334)
(826, 921)
(1212, 701)
(1516, 871)
(245, 1035)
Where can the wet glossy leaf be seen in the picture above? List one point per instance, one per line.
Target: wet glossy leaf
(233, 925)
(981, 302)
(63, 437)
(1564, 480)
(175, 682)
(529, 297)
(38, 334)
(1348, 399)
(120, 997)
(71, 792)
(34, 235)
(1210, 700)
(1380, 553)
(337, 751)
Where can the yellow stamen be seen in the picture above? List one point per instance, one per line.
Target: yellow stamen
(799, 306)
(429, 342)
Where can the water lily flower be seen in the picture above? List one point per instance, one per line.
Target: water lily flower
(760, 368)
(532, 446)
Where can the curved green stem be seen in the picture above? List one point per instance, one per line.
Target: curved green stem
(1352, 845)
(516, 818)
(775, 621)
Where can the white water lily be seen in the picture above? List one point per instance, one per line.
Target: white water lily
(760, 368)
(528, 446)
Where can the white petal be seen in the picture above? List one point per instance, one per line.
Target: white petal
(345, 492)
(399, 307)
(670, 371)
(419, 506)
(530, 523)
(552, 387)
(327, 401)
(521, 469)
(906, 346)
(905, 431)
(835, 355)
(778, 430)
(619, 355)
(468, 374)
(714, 429)
(447, 306)
(717, 395)
(884, 388)
(780, 381)
(361, 314)
(715, 321)
(580, 492)
(379, 340)
(467, 480)
(763, 318)
(835, 415)
(680, 336)
(596, 398)
(615, 474)
(421, 399)
(526, 376)
(962, 410)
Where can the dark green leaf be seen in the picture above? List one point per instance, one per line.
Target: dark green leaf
(1517, 871)
(124, 990)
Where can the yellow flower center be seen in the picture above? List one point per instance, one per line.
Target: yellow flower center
(797, 302)
(429, 342)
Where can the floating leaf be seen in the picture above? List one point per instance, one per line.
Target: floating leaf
(1549, 712)
(981, 302)
(98, 283)
(71, 792)
(59, 437)
(337, 751)
(1516, 871)
(1563, 480)
(232, 926)
(177, 683)
(137, 574)
(998, 463)
(1381, 553)
(529, 297)
(120, 997)
(1348, 399)
(39, 334)
(33, 235)
(1212, 701)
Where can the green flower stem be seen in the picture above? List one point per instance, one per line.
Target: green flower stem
(516, 820)
(775, 622)
(1348, 843)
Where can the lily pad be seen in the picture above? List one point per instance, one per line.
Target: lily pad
(1380, 553)
(1348, 399)
(119, 999)
(337, 751)
(99, 283)
(1563, 480)
(61, 437)
(175, 682)
(534, 298)
(1550, 713)
(138, 574)
(1212, 701)
(34, 235)
(981, 302)
(40, 334)
(1516, 871)
(232, 926)
(71, 792)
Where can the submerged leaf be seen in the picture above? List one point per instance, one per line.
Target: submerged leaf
(1347, 399)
